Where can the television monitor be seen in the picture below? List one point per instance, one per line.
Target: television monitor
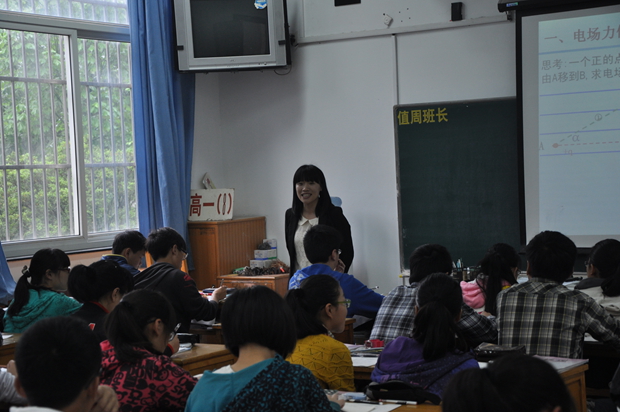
(231, 35)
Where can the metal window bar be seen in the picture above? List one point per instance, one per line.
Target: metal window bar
(97, 87)
(106, 5)
(66, 105)
(28, 132)
(4, 177)
(31, 88)
(33, 97)
(101, 136)
(41, 135)
(112, 137)
(16, 150)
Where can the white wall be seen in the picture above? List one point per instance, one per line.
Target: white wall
(334, 109)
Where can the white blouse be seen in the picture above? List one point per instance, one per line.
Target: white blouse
(302, 227)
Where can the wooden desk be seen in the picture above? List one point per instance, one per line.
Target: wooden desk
(574, 379)
(7, 350)
(278, 283)
(214, 334)
(428, 407)
(203, 357)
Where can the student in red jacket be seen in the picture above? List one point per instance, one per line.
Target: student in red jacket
(133, 363)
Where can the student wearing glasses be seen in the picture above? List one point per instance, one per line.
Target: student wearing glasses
(169, 250)
(320, 309)
(603, 281)
(139, 329)
(40, 298)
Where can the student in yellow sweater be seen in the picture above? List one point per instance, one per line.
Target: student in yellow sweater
(320, 309)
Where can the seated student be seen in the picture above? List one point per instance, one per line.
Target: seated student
(512, 383)
(58, 361)
(322, 244)
(395, 317)
(128, 249)
(99, 287)
(498, 270)
(436, 350)
(320, 308)
(168, 249)
(258, 329)
(39, 298)
(8, 393)
(138, 330)
(545, 316)
(603, 281)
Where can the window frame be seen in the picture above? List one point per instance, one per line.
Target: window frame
(74, 29)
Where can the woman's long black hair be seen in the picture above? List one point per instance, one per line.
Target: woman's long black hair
(496, 267)
(125, 325)
(314, 293)
(310, 173)
(605, 256)
(439, 300)
(44, 259)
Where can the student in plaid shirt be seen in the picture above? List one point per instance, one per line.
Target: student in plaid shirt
(545, 316)
(395, 317)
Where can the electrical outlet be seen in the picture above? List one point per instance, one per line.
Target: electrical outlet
(387, 20)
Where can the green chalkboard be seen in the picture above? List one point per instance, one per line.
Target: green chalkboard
(458, 176)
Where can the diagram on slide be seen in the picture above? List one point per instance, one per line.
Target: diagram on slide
(579, 86)
(579, 124)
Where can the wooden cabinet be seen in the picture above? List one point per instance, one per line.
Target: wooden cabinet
(219, 247)
(279, 283)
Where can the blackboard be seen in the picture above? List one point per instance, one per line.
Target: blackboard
(458, 176)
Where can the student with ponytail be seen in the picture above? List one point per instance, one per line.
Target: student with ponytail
(139, 329)
(497, 271)
(436, 349)
(39, 298)
(603, 281)
(320, 309)
(99, 287)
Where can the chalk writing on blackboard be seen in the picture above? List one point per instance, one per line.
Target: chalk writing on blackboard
(411, 117)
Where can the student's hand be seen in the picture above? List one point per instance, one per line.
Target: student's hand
(174, 344)
(107, 401)
(334, 398)
(219, 293)
(487, 314)
(340, 267)
(11, 368)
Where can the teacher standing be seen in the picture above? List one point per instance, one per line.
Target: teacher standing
(312, 205)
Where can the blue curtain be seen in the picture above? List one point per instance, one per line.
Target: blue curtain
(7, 283)
(164, 118)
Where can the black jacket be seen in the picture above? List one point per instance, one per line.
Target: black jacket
(333, 217)
(181, 291)
(94, 315)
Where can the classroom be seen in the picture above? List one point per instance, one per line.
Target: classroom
(334, 109)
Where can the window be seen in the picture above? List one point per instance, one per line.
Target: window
(67, 160)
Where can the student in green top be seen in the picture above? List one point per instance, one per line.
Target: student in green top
(40, 298)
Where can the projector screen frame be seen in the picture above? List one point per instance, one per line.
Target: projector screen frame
(542, 8)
